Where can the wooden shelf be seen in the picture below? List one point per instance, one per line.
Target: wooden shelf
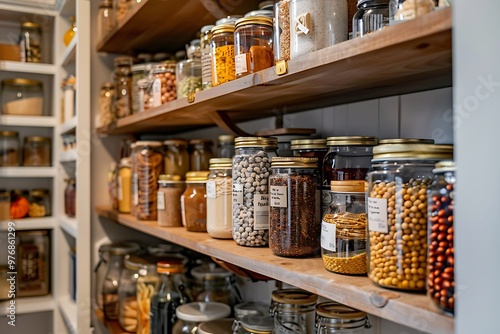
(31, 224)
(173, 22)
(21, 171)
(34, 121)
(33, 68)
(30, 305)
(412, 56)
(412, 310)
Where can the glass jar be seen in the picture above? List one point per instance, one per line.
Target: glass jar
(201, 153)
(253, 45)
(215, 284)
(70, 198)
(221, 326)
(254, 324)
(30, 43)
(251, 193)
(206, 56)
(170, 190)
(219, 199)
(39, 203)
(348, 158)
(316, 24)
(22, 97)
(294, 207)
(188, 72)
(105, 19)
(123, 87)
(106, 97)
(190, 315)
(310, 148)
(145, 99)
(176, 157)
(124, 185)
(71, 32)
(139, 72)
(164, 84)
(225, 146)
(33, 263)
(403, 10)
(397, 220)
(147, 283)
(441, 277)
(281, 30)
(258, 309)
(231, 19)
(194, 202)
(253, 315)
(335, 318)
(372, 15)
(4, 209)
(343, 229)
(9, 148)
(293, 311)
(122, 8)
(147, 165)
(37, 151)
(222, 49)
(69, 100)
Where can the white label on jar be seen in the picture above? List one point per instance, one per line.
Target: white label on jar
(120, 188)
(261, 211)
(135, 192)
(377, 215)
(206, 68)
(161, 200)
(278, 196)
(141, 100)
(183, 215)
(328, 236)
(237, 194)
(157, 92)
(211, 189)
(240, 63)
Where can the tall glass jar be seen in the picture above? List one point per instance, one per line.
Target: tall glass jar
(106, 98)
(124, 185)
(139, 72)
(164, 84)
(293, 311)
(31, 42)
(176, 157)
(190, 315)
(222, 50)
(215, 284)
(206, 56)
(335, 318)
(37, 151)
(70, 197)
(294, 207)
(194, 202)
(441, 196)
(170, 190)
(281, 40)
(225, 146)
(251, 170)
(147, 283)
(316, 24)
(403, 10)
(253, 45)
(372, 15)
(219, 199)
(343, 229)
(123, 86)
(105, 19)
(310, 148)
(201, 153)
(188, 72)
(9, 148)
(397, 213)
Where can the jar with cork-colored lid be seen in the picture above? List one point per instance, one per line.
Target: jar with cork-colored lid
(336, 318)
(293, 311)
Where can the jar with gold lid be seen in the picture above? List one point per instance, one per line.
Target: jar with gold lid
(219, 199)
(170, 190)
(222, 50)
(9, 148)
(31, 42)
(201, 153)
(336, 318)
(22, 96)
(194, 202)
(37, 151)
(293, 311)
(164, 83)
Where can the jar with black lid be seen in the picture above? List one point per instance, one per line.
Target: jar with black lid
(336, 318)
(293, 311)
(372, 15)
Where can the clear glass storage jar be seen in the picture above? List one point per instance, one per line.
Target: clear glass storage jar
(170, 190)
(253, 45)
(39, 203)
(9, 148)
(222, 50)
(30, 43)
(310, 148)
(441, 197)
(33, 263)
(147, 283)
(176, 157)
(70, 197)
(123, 87)
(335, 318)
(254, 324)
(22, 97)
(281, 41)
(294, 207)
(188, 72)
(316, 24)
(221, 326)
(105, 19)
(106, 98)
(372, 15)
(397, 213)
(124, 185)
(225, 146)
(37, 151)
(215, 284)
(219, 199)
(139, 72)
(4, 210)
(343, 229)
(190, 315)
(201, 153)
(164, 83)
(194, 202)
(293, 311)
(122, 8)
(251, 170)
(206, 56)
(403, 10)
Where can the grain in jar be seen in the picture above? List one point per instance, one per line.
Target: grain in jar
(188, 71)
(164, 83)
(281, 42)
(403, 10)
(170, 190)
(397, 213)
(105, 19)
(147, 283)
(219, 199)
(253, 45)
(106, 96)
(39, 203)
(176, 157)
(222, 50)
(37, 151)
(9, 148)
(293, 309)
(333, 317)
(194, 202)
(22, 97)
(206, 56)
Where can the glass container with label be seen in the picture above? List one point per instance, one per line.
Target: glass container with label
(170, 190)
(201, 153)
(188, 72)
(206, 56)
(403, 10)
(176, 157)
(30, 43)
(293, 311)
(164, 84)
(219, 199)
(190, 315)
(372, 15)
(123, 86)
(335, 318)
(106, 96)
(225, 146)
(33, 259)
(124, 185)
(139, 72)
(251, 170)
(9, 148)
(397, 213)
(194, 202)
(222, 50)
(281, 40)
(294, 207)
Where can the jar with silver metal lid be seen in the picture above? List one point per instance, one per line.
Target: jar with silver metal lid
(372, 15)
(293, 311)
(336, 318)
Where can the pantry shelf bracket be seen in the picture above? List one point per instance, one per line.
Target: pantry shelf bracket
(223, 121)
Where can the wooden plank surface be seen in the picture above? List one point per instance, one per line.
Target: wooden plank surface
(409, 309)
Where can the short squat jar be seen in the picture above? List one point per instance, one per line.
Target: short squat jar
(251, 170)
(397, 213)
(9, 148)
(170, 190)
(335, 318)
(219, 197)
(293, 311)
(372, 15)
(194, 202)
(190, 315)
(37, 151)
(222, 53)
(176, 157)
(294, 207)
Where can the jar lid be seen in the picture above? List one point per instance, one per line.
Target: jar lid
(125, 162)
(151, 143)
(70, 180)
(178, 142)
(121, 248)
(228, 20)
(352, 141)
(225, 139)
(261, 12)
(254, 20)
(197, 175)
(160, 68)
(269, 142)
(294, 296)
(171, 265)
(405, 141)
(134, 262)
(251, 308)
(373, 2)
(141, 67)
(31, 25)
(202, 311)
(222, 28)
(266, 4)
(106, 4)
(39, 192)
(294, 162)
(21, 82)
(298, 144)
(169, 178)
(200, 141)
(108, 85)
(339, 311)
(348, 186)
(445, 166)
(207, 28)
(412, 151)
(257, 323)
(209, 271)
(220, 163)
(36, 139)
(44, 191)
(221, 326)
(9, 134)
(121, 61)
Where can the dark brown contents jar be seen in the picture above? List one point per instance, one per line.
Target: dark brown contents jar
(70, 198)
(194, 202)
(36, 151)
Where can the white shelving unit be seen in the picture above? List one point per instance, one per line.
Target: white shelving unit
(68, 126)
(32, 224)
(33, 121)
(35, 172)
(31, 305)
(69, 225)
(34, 68)
(69, 311)
(68, 156)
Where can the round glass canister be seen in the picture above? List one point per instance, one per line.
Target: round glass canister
(397, 213)
(403, 10)
(335, 318)
(190, 315)
(294, 207)
(254, 324)
(201, 153)
(206, 56)
(253, 45)
(37, 151)
(9, 148)
(147, 284)
(22, 97)
(293, 311)
(170, 190)
(221, 326)
(123, 86)
(219, 199)
(194, 202)
(39, 203)
(225, 146)
(281, 40)
(164, 83)
(188, 72)
(441, 196)
(251, 170)
(106, 96)
(316, 24)
(372, 15)
(215, 284)
(139, 72)
(222, 50)
(31, 42)
(176, 157)
(255, 313)
(343, 229)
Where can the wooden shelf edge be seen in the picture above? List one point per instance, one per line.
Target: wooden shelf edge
(412, 310)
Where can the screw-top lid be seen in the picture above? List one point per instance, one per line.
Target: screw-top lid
(304, 144)
(228, 20)
(106, 4)
(348, 186)
(294, 296)
(169, 178)
(352, 141)
(339, 311)
(134, 262)
(121, 61)
(223, 28)
(21, 82)
(266, 5)
(254, 20)
(294, 162)
(206, 29)
(268, 142)
(36, 139)
(210, 271)
(405, 141)
(221, 326)
(202, 311)
(39, 192)
(108, 85)
(225, 139)
(9, 134)
(171, 265)
(412, 151)
(122, 248)
(175, 142)
(260, 13)
(200, 141)
(151, 143)
(258, 323)
(445, 166)
(31, 25)
(220, 163)
(197, 176)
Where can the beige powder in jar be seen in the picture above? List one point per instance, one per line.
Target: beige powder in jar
(169, 201)
(32, 106)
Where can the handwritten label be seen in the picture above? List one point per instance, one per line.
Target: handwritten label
(377, 215)
(278, 196)
(261, 212)
(161, 200)
(240, 62)
(157, 92)
(237, 194)
(329, 236)
(211, 189)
